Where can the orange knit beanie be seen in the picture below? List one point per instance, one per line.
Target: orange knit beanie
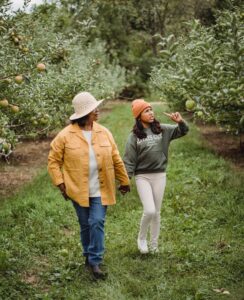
(138, 106)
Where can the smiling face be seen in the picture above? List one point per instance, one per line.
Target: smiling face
(147, 117)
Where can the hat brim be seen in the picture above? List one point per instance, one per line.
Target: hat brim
(76, 116)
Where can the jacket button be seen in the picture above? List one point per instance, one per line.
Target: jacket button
(100, 169)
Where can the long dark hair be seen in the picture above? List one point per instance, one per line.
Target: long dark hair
(81, 121)
(138, 128)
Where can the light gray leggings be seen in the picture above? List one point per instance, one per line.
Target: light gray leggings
(150, 188)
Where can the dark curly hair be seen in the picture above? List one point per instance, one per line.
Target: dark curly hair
(81, 121)
(138, 128)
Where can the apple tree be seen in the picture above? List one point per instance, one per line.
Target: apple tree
(42, 68)
(203, 72)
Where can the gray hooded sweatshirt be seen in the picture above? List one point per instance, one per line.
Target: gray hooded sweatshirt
(150, 155)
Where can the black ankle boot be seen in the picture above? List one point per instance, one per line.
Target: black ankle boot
(98, 273)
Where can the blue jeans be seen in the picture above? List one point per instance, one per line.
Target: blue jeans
(92, 221)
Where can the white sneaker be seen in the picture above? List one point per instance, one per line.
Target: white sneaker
(154, 250)
(142, 246)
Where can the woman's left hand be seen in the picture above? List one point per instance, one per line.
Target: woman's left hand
(176, 117)
(124, 189)
(62, 189)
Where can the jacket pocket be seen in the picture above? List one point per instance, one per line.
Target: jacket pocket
(106, 151)
(104, 144)
(73, 156)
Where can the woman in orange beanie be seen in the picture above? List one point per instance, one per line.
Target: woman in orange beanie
(146, 157)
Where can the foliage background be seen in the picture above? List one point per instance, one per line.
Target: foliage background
(187, 50)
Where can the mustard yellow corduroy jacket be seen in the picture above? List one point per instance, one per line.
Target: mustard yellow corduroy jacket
(68, 163)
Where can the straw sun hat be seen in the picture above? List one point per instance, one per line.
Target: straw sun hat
(83, 104)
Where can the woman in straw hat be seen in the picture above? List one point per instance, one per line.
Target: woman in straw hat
(83, 163)
(146, 157)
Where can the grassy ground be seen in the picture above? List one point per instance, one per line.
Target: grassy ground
(201, 245)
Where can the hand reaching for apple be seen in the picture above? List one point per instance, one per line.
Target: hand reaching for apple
(176, 117)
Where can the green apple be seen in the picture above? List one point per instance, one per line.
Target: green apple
(41, 67)
(34, 121)
(25, 49)
(14, 109)
(19, 79)
(4, 103)
(43, 121)
(190, 105)
(199, 113)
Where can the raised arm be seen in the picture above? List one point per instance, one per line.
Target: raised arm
(181, 129)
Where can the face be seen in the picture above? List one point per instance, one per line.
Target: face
(93, 116)
(147, 116)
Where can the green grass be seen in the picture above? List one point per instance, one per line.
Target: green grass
(201, 242)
